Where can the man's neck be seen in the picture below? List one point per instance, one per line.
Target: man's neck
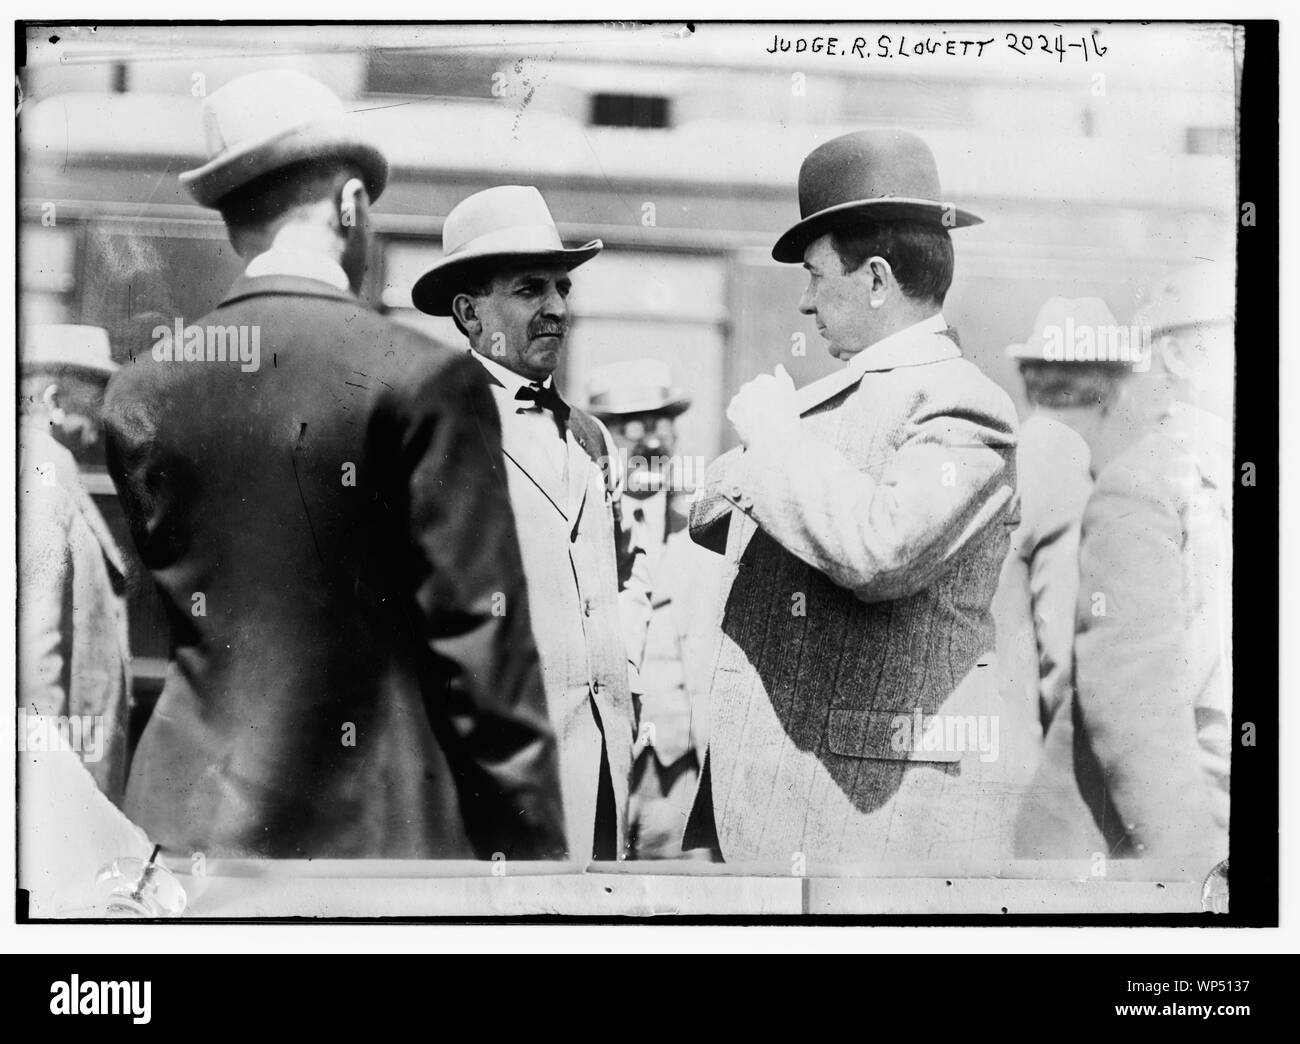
(934, 319)
(905, 320)
(297, 247)
(306, 264)
(508, 378)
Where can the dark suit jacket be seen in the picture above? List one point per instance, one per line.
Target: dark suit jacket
(352, 672)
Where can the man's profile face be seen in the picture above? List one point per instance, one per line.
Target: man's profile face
(525, 319)
(839, 302)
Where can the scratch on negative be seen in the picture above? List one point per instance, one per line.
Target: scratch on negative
(293, 462)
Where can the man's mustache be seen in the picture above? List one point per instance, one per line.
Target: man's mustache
(547, 328)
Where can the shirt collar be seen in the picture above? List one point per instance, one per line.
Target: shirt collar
(508, 379)
(888, 353)
(869, 358)
(302, 263)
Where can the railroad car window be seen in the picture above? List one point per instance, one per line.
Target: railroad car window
(48, 258)
(629, 110)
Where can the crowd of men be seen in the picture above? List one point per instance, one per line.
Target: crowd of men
(423, 607)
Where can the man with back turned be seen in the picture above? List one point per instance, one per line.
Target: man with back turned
(353, 672)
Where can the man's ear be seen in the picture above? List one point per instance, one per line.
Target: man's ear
(353, 201)
(466, 313)
(882, 279)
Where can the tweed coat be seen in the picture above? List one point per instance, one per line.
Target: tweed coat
(862, 557)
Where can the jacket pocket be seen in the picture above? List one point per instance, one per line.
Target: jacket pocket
(885, 734)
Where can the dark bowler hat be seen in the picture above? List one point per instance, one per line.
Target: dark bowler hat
(884, 175)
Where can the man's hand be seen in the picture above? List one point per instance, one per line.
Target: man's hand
(764, 408)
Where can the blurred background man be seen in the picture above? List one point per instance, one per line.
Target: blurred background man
(1070, 400)
(73, 653)
(1151, 721)
(639, 405)
(504, 277)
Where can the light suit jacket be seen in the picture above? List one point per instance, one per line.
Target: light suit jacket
(675, 672)
(861, 561)
(72, 651)
(567, 538)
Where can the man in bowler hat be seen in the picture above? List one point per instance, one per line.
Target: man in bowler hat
(864, 519)
(353, 672)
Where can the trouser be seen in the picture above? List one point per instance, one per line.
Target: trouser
(659, 803)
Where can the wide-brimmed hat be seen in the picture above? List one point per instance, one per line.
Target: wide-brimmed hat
(1201, 294)
(65, 346)
(884, 175)
(1058, 315)
(636, 386)
(267, 120)
(497, 224)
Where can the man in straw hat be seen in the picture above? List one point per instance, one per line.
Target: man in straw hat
(855, 712)
(73, 657)
(504, 279)
(637, 401)
(353, 671)
(1141, 765)
(1071, 396)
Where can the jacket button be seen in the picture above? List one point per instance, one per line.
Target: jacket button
(595, 688)
(586, 607)
(735, 492)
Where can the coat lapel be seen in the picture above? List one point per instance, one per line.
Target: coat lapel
(576, 475)
(812, 395)
(524, 451)
(527, 453)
